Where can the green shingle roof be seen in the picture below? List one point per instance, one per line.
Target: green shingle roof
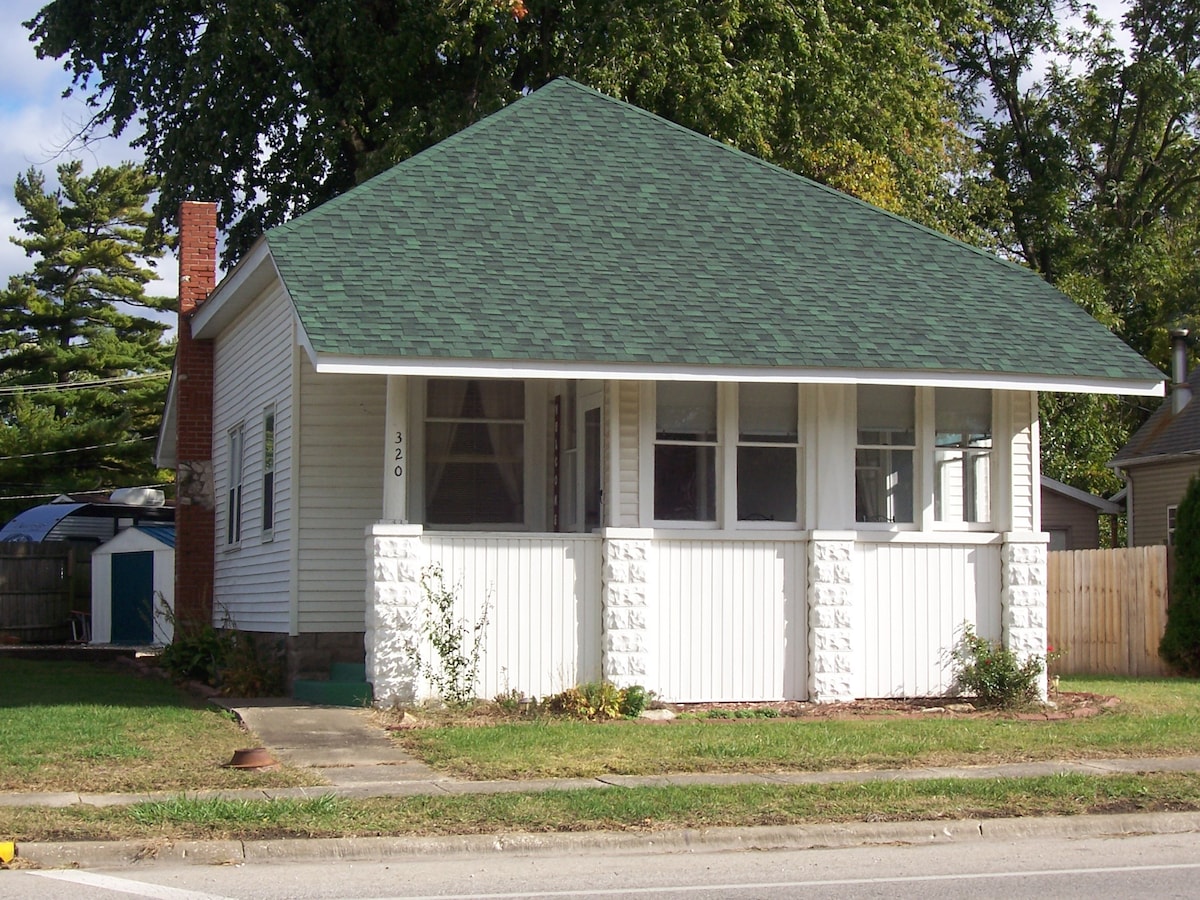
(573, 228)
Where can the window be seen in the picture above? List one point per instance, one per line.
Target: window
(685, 452)
(1171, 525)
(268, 481)
(767, 452)
(474, 452)
(883, 461)
(962, 456)
(233, 525)
(728, 453)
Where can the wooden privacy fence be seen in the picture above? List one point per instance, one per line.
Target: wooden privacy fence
(1106, 610)
(35, 591)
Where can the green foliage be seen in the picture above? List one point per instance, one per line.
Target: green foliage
(196, 654)
(1180, 645)
(993, 674)
(233, 661)
(68, 327)
(271, 108)
(457, 645)
(598, 700)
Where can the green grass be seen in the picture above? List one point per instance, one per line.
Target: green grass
(67, 726)
(1155, 718)
(609, 809)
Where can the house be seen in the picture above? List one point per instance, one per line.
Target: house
(669, 414)
(1071, 517)
(1162, 457)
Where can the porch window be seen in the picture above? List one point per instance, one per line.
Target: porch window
(474, 452)
(685, 452)
(962, 455)
(767, 452)
(883, 463)
(233, 525)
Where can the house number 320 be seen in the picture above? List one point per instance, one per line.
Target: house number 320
(399, 448)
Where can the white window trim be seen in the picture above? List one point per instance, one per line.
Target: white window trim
(1172, 521)
(726, 444)
(536, 442)
(922, 467)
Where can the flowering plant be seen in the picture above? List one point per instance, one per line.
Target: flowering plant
(993, 674)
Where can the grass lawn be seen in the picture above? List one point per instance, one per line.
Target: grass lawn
(1158, 717)
(611, 809)
(68, 726)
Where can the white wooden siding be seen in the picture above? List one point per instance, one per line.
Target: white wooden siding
(542, 593)
(341, 486)
(1025, 466)
(915, 598)
(252, 370)
(727, 621)
(627, 402)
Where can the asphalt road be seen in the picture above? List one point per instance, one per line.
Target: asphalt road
(1160, 866)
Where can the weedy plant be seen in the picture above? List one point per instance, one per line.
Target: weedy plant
(452, 669)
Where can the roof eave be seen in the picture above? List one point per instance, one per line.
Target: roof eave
(165, 446)
(1153, 458)
(326, 363)
(253, 273)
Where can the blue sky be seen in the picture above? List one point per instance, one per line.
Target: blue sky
(37, 127)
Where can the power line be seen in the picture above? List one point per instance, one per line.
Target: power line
(75, 450)
(79, 385)
(99, 490)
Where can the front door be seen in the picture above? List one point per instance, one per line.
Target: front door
(133, 598)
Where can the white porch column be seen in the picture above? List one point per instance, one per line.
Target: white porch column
(833, 636)
(1023, 596)
(395, 557)
(625, 598)
(396, 451)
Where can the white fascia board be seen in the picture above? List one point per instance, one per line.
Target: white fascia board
(1179, 456)
(467, 368)
(165, 446)
(247, 280)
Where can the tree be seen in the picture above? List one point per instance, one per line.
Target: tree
(82, 380)
(1180, 645)
(1096, 174)
(270, 108)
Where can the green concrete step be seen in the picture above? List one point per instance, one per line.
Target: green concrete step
(332, 693)
(348, 672)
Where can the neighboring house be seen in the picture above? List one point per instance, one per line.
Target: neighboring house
(1071, 517)
(1162, 457)
(672, 415)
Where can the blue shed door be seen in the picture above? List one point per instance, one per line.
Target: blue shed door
(133, 598)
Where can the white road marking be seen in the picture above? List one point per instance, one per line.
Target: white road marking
(778, 885)
(123, 885)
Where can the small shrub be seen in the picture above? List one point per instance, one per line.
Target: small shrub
(196, 654)
(992, 674)
(597, 700)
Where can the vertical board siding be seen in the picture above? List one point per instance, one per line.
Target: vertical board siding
(1107, 610)
(252, 369)
(915, 599)
(628, 393)
(728, 620)
(542, 596)
(341, 483)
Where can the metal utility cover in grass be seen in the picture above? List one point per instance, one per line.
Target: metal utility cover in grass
(573, 228)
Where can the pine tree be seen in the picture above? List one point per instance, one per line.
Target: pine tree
(1180, 646)
(82, 369)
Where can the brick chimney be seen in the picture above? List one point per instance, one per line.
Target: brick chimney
(195, 516)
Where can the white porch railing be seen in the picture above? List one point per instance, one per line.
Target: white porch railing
(542, 593)
(915, 598)
(729, 620)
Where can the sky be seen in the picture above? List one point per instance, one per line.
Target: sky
(38, 128)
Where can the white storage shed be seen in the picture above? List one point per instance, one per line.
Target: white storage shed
(133, 578)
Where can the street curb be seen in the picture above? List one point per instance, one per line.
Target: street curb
(110, 854)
